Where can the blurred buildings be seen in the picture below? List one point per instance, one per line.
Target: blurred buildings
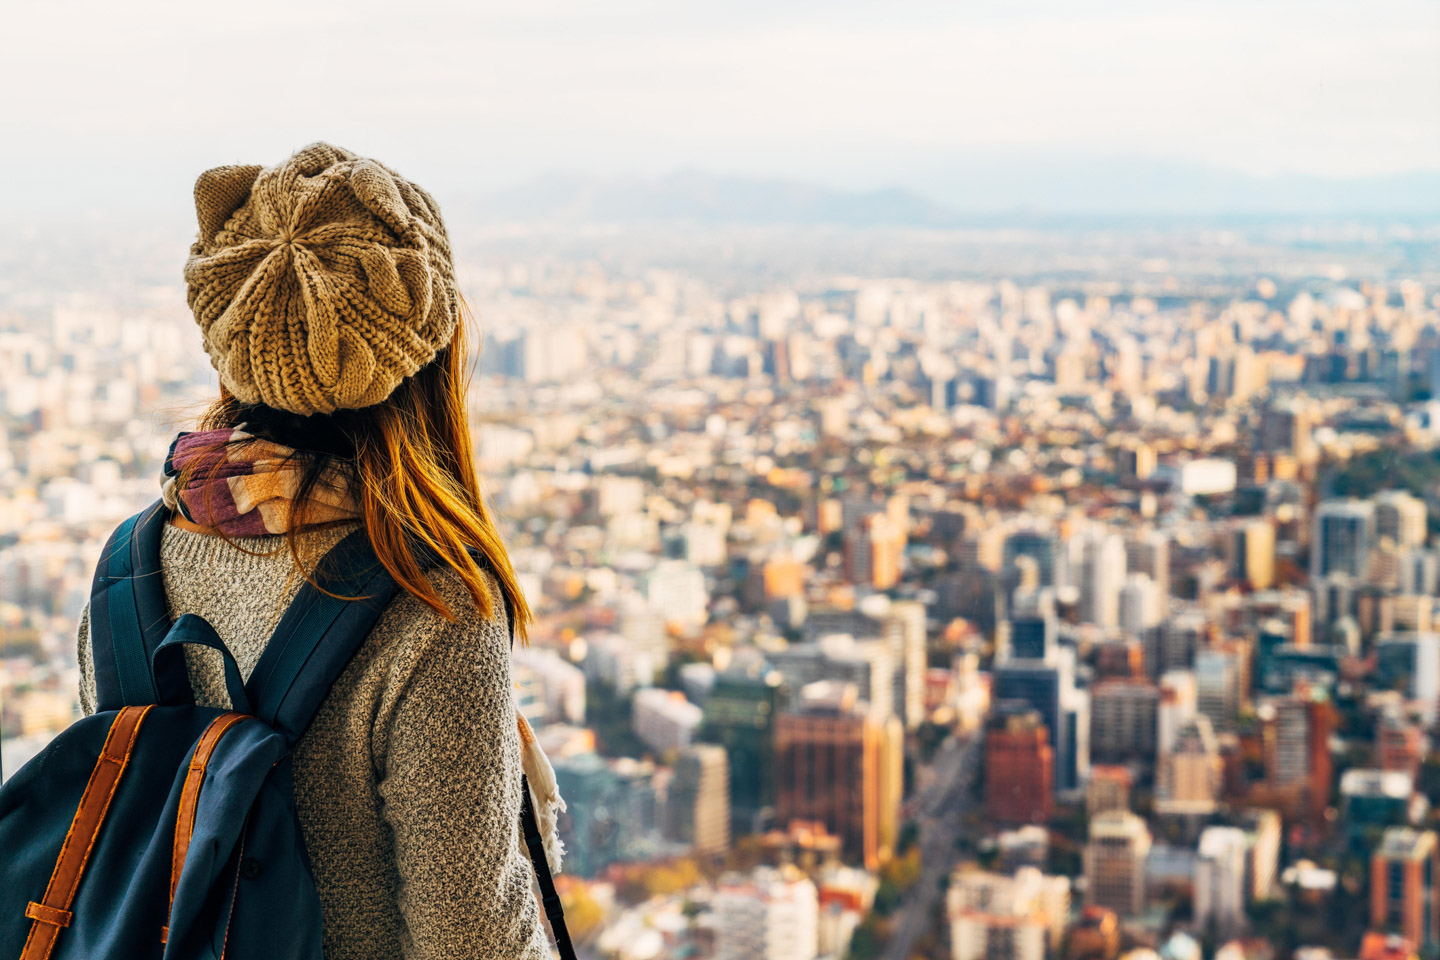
(1100, 590)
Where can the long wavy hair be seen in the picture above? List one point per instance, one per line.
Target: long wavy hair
(410, 463)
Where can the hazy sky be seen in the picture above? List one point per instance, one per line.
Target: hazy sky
(133, 99)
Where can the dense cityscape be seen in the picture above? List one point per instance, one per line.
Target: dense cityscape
(1057, 593)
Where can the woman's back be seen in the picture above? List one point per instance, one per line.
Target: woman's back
(407, 783)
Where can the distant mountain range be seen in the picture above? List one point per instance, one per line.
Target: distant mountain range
(960, 196)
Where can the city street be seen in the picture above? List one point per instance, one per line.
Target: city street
(940, 807)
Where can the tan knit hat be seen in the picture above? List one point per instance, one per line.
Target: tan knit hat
(321, 283)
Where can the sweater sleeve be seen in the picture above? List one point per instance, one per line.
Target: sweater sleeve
(447, 755)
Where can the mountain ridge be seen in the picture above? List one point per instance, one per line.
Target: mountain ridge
(975, 197)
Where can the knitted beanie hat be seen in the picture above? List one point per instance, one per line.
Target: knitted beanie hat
(321, 283)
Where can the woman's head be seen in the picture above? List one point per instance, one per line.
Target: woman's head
(325, 291)
(321, 283)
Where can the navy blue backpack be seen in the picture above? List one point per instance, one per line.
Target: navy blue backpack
(156, 828)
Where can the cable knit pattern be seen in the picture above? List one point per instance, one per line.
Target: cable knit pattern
(407, 783)
(320, 283)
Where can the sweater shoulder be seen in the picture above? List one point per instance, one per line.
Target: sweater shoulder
(410, 631)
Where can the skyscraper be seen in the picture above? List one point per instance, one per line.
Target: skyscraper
(1252, 553)
(1102, 576)
(1220, 882)
(1403, 886)
(838, 761)
(1191, 771)
(1297, 746)
(1123, 715)
(1115, 862)
(1400, 516)
(1048, 686)
(698, 811)
(904, 629)
(1038, 546)
(1410, 663)
(1343, 535)
(739, 714)
(1019, 766)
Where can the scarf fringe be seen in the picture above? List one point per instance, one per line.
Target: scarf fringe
(544, 793)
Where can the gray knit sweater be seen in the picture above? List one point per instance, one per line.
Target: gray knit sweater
(407, 783)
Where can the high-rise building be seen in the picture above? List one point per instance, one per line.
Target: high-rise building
(1218, 685)
(1251, 553)
(1038, 546)
(1030, 637)
(998, 917)
(1115, 863)
(1174, 645)
(1399, 744)
(1019, 766)
(1410, 663)
(612, 811)
(561, 684)
(1136, 462)
(873, 552)
(1401, 517)
(769, 915)
(1262, 852)
(1102, 575)
(739, 715)
(1177, 705)
(1297, 746)
(698, 806)
(1048, 686)
(1220, 882)
(1123, 714)
(664, 719)
(1108, 789)
(1191, 772)
(904, 629)
(1419, 572)
(1286, 429)
(838, 761)
(1141, 605)
(1147, 551)
(868, 664)
(1403, 886)
(1343, 535)
(1027, 846)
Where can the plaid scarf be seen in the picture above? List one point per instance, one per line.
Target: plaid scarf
(246, 489)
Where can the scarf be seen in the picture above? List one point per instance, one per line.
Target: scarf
(249, 488)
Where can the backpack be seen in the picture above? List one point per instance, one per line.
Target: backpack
(156, 828)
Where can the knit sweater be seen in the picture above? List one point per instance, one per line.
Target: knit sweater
(407, 783)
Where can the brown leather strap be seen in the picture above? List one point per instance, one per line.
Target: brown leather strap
(190, 798)
(54, 907)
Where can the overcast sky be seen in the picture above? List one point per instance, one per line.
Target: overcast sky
(133, 99)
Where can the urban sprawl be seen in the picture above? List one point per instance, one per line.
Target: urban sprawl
(1073, 601)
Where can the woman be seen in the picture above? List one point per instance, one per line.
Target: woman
(325, 293)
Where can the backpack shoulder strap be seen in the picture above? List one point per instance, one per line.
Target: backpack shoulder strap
(319, 634)
(129, 616)
(549, 896)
